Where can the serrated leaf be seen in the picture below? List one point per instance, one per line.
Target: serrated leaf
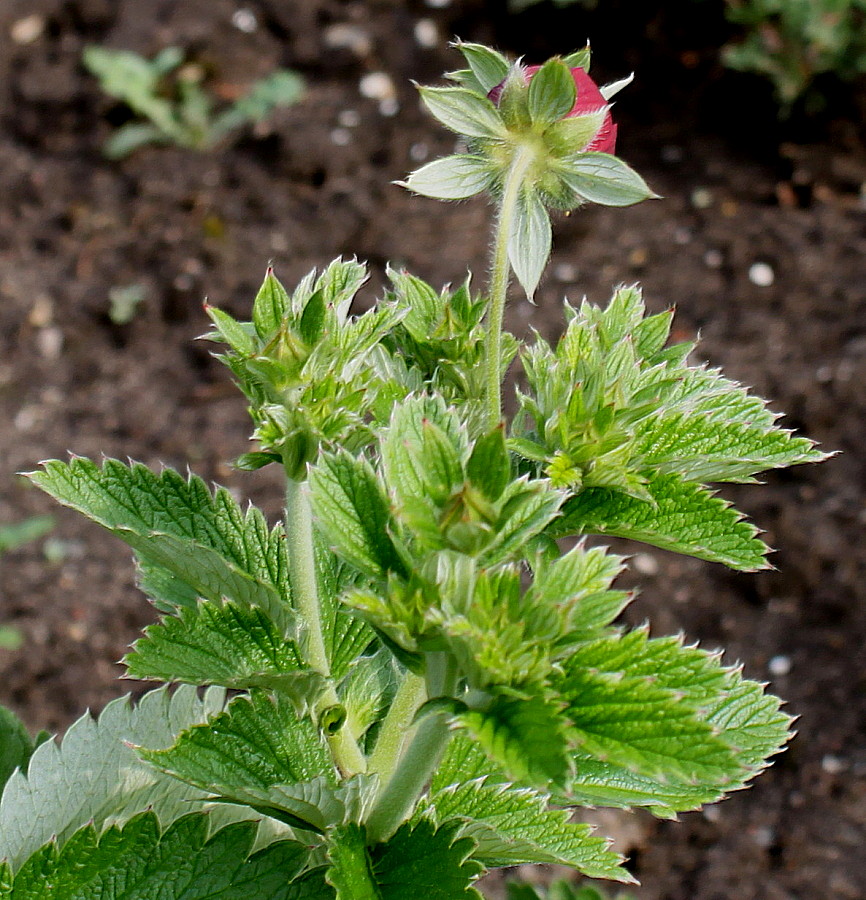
(701, 448)
(551, 93)
(182, 863)
(451, 178)
(270, 306)
(353, 512)
(525, 737)
(93, 775)
(683, 517)
(604, 179)
(463, 111)
(16, 745)
(421, 860)
(632, 722)
(463, 761)
(527, 509)
(224, 645)
(512, 826)
(203, 539)
(529, 240)
(257, 742)
(488, 66)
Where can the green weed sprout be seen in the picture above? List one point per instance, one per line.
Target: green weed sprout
(171, 97)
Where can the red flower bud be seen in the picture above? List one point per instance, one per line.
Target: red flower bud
(588, 100)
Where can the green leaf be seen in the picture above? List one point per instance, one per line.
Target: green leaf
(632, 722)
(204, 540)
(16, 745)
(463, 111)
(605, 179)
(182, 863)
(367, 691)
(529, 240)
(682, 517)
(353, 512)
(451, 178)
(313, 319)
(489, 465)
(551, 92)
(528, 507)
(421, 860)
(525, 737)
(94, 776)
(512, 826)
(488, 66)
(257, 742)
(271, 305)
(224, 645)
(698, 447)
(236, 334)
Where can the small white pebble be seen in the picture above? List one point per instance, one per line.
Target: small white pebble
(565, 272)
(779, 666)
(671, 154)
(42, 312)
(438, 4)
(279, 242)
(419, 152)
(342, 137)
(763, 836)
(833, 765)
(25, 419)
(761, 274)
(702, 198)
(343, 36)
(376, 86)
(645, 564)
(349, 118)
(426, 34)
(27, 30)
(683, 236)
(712, 813)
(713, 259)
(49, 342)
(824, 374)
(245, 20)
(390, 106)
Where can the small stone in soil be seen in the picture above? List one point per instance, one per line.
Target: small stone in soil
(349, 118)
(389, 106)
(779, 666)
(761, 274)
(565, 272)
(426, 34)
(245, 20)
(27, 30)
(645, 564)
(342, 137)
(713, 259)
(419, 152)
(833, 765)
(376, 86)
(343, 36)
(702, 198)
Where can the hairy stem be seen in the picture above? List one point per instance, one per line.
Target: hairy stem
(305, 594)
(500, 271)
(420, 759)
(397, 726)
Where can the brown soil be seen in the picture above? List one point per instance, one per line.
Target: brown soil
(312, 185)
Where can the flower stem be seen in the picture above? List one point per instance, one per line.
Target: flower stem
(305, 594)
(500, 271)
(397, 726)
(420, 759)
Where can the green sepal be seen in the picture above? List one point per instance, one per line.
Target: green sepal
(579, 59)
(455, 177)
(552, 92)
(463, 111)
(488, 66)
(601, 178)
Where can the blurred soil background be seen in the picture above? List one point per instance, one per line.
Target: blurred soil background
(760, 243)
